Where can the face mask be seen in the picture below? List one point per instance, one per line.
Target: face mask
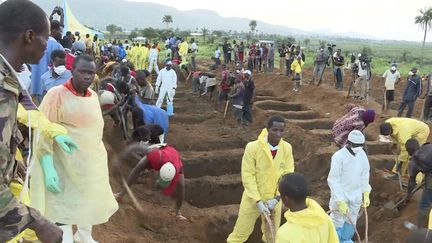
(357, 149)
(60, 70)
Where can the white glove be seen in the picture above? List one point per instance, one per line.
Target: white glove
(262, 208)
(271, 204)
(157, 90)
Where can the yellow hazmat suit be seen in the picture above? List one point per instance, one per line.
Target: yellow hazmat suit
(260, 176)
(145, 52)
(183, 50)
(404, 129)
(308, 225)
(40, 122)
(133, 56)
(86, 197)
(16, 189)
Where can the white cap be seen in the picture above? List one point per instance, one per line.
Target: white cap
(167, 171)
(106, 98)
(168, 63)
(124, 60)
(248, 72)
(356, 137)
(359, 55)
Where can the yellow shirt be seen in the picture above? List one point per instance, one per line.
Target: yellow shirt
(297, 66)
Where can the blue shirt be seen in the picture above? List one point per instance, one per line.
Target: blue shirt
(48, 81)
(36, 86)
(154, 115)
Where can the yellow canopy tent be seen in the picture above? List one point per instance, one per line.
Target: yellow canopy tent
(72, 24)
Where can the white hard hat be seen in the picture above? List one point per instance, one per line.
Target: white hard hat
(106, 98)
(356, 137)
(167, 172)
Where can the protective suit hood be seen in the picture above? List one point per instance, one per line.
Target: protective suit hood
(312, 216)
(262, 138)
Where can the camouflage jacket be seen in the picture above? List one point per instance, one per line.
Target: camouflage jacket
(14, 216)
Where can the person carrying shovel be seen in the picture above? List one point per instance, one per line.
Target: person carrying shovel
(165, 161)
(420, 162)
(264, 161)
(348, 180)
(399, 130)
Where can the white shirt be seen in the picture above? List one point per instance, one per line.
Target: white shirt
(153, 54)
(390, 79)
(349, 175)
(217, 53)
(361, 71)
(167, 79)
(194, 47)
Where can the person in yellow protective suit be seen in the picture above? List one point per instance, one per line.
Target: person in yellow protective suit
(264, 162)
(77, 189)
(183, 50)
(133, 55)
(400, 129)
(145, 52)
(138, 56)
(30, 116)
(306, 220)
(16, 188)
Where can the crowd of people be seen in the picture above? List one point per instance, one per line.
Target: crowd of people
(50, 83)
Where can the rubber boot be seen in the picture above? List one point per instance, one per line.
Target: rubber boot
(84, 234)
(67, 234)
(170, 109)
(345, 233)
(422, 217)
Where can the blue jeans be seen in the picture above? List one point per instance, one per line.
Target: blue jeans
(426, 199)
(247, 113)
(410, 104)
(338, 72)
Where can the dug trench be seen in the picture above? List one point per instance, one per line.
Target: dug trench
(212, 147)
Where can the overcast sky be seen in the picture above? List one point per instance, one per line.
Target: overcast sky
(385, 19)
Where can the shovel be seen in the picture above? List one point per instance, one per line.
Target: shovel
(226, 108)
(391, 209)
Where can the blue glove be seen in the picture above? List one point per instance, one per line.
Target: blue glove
(50, 174)
(262, 208)
(271, 204)
(66, 143)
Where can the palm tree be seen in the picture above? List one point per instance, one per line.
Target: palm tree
(252, 25)
(424, 20)
(167, 19)
(204, 33)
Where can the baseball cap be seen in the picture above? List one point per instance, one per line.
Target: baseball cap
(168, 63)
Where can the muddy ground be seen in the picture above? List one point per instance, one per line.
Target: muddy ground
(211, 148)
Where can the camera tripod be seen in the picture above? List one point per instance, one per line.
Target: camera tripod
(330, 49)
